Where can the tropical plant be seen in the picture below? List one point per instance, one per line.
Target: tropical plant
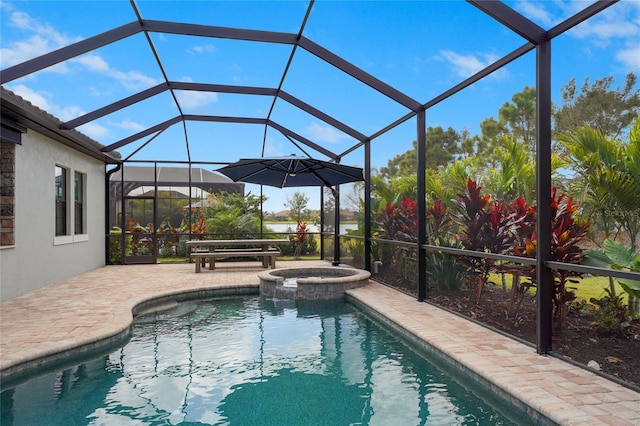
(397, 222)
(355, 248)
(611, 313)
(141, 244)
(485, 226)
(609, 178)
(115, 245)
(300, 238)
(567, 232)
(168, 237)
(444, 271)
(616, 255)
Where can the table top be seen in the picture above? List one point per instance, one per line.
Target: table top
(191, 243)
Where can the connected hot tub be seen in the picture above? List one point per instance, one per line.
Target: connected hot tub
(316, 283)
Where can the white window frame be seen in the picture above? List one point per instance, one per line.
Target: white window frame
(70, 236)
(83, 235)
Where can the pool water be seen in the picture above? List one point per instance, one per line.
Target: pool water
(251, 361)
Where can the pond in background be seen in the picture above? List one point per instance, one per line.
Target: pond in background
(291, 227)
(250, 361)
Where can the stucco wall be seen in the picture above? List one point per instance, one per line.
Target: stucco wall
(39, 258)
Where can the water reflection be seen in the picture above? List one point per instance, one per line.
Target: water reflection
(252, 361)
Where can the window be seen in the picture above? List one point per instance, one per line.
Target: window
(61, 201)
(79, 203)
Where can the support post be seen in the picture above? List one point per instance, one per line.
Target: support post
(367, 206)
(544, 277)
(336, 227)
(322, 223)
(421, 206)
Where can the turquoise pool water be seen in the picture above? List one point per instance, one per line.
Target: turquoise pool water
(252, 361)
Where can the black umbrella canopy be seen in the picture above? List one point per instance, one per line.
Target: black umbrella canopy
(291, 171)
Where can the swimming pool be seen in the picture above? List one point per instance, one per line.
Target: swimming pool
(259, 362)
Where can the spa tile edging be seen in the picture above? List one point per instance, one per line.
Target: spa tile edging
(312, 283)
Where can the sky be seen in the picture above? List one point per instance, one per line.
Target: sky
(421, 48)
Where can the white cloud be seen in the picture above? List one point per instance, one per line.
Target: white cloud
(21, 51)
(41, 100)
(130, 125)
(605, 29)
(274, 149)
(68, 112)
(535, 12)
(195, 99)
(467, 65)
(630, 58)
(319, 133)
(94, 130)
(41, 38)
(207, 48)
(617, 29)
(93, 62)
(621, 20)
(131, 80)
(37, 99)
(23, 21)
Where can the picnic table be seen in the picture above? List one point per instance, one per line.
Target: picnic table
(203, 250)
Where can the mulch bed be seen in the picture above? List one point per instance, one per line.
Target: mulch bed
(580, 341)
(618, 356)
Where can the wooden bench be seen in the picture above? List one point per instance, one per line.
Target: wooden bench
(268, 256)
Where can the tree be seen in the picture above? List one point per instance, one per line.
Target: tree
(608, 177)
(598, 106)
(519, 117)
(297, 204)
(482, 146)
(442, 147)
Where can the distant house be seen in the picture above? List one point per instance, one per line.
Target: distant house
(171, 182)
(347, 215)
(52, 199)
(281, 215)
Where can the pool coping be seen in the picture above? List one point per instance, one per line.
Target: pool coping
(84, 348)
(545, 387)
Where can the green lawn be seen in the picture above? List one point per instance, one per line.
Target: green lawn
(586, 289)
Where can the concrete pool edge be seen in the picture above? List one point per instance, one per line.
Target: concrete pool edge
(103, 297)
(13, 375)
(545, 386)
(92, 345)
(97, 346)
(444, 358)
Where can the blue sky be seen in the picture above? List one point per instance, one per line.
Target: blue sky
(421, 48)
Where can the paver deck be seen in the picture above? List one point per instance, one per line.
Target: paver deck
(98, 305)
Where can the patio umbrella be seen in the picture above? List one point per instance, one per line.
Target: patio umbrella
(291, 171)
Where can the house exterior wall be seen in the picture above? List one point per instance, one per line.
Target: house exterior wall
(39, 258)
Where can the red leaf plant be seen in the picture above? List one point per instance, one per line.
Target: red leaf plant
(567, 232)
(487, 227)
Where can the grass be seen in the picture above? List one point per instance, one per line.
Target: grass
(587, 288)
(593, 287)
(184, 259)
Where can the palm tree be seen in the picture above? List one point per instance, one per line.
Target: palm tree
(610, 181)
(608, 178)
